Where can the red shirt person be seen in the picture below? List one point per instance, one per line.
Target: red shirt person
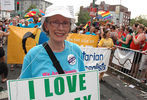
(139, 39)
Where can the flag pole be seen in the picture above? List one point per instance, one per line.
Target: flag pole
(93, 7)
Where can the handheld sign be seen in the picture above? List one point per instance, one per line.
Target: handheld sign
(75, 86)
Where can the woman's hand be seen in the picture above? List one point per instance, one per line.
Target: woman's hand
(133, 34)
(119, 40)
(1, 33)
(144, 52)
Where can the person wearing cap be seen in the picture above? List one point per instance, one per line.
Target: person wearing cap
(57, 23)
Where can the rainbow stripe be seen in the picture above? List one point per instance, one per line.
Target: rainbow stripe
(106, 14)
(107, 17)
(85, 26)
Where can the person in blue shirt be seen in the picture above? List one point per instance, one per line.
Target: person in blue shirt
(57, 23)
(14, 22)
(91, 32)
(26, 25)
(35, 23)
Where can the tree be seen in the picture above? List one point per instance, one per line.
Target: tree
(83, 16)
(31, 7)
(139, 19)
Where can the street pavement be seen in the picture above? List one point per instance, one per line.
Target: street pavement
(112, 89)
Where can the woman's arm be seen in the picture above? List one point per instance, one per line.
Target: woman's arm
(128, 38)
(6, 33)
(1, 34)
(102, 32)
(140, 38)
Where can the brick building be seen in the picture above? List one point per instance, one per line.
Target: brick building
(120, 13)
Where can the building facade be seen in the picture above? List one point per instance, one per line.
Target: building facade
(25, 4)
(4, 13)
(120, 14)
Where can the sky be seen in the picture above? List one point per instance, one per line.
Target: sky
(137, 7)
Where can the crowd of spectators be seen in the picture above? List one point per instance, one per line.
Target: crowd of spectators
(133, 37)
(127, 37)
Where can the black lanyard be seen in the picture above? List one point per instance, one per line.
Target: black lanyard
(53, 58)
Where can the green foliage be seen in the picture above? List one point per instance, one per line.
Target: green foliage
(31, 7)
(83, 17)
(140, 19)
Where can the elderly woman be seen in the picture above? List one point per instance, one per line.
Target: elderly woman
(57, 23)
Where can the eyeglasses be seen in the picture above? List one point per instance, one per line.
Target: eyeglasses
(57, 23)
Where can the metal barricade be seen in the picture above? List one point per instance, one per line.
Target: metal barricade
(137, 63)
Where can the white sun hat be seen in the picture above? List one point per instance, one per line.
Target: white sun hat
(64, 10)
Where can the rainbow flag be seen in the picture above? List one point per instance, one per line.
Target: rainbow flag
(106, 15)
(85, 26)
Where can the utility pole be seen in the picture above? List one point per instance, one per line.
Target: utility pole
(93, 7)
(119, 11)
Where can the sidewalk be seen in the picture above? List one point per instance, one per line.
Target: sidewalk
(112, 89)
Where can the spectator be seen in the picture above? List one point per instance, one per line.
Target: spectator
(3, 65)
(35, 24)
(26, 24)
(143, 63)
(135, 28)
(121, 34)
(126, 41)
(14, 22)
(136, 44)
(97, 31)
(138, 39)
(108, 26)
(91, 32)
(113, 34)
(105, 42)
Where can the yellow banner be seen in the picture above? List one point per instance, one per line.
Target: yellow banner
(83, 40)
(20, 41)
